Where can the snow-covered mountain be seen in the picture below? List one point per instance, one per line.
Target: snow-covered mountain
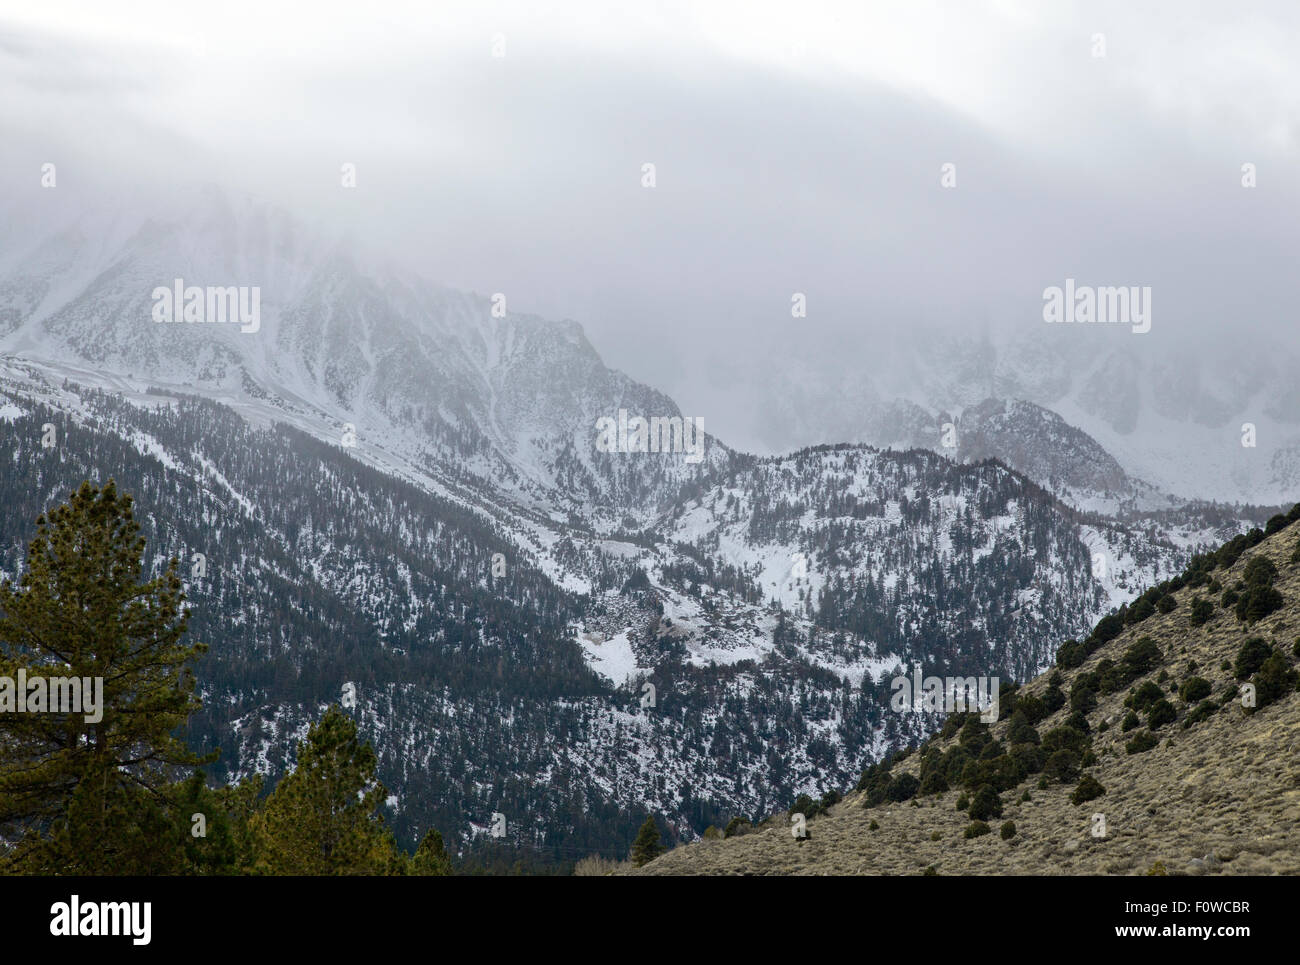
(497, 587)
(435, 378)
(1173, 419)
(500, 660)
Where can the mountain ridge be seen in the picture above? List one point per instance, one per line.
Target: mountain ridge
(1163, 799)
(763, 598)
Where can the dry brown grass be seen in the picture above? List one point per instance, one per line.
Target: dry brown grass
(595, 866)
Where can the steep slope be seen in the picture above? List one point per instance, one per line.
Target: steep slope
(1190, 729)
(434, 377)
(959, 565)
(498, 590)
(499, 658)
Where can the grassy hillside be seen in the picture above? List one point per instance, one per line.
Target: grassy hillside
(1144, 723)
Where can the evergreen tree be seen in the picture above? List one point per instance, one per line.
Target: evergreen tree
(94, 796)
(214, 825)
(431, 858)
(323, 818)
(647, 845)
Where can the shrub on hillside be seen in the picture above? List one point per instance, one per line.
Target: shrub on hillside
(1202, 711)
(1068, 738)
(992, 751)
(1259, 571)
(1032, 708)
(1000, 772)
(1028, 758)
(1008, 830)
(873, 784)
(1272, 680)
(1020, 730)
(952, 724)
(1062, 766)
(1258, 598)
(1162, 712)
(1144, 696)
(1089, 788)
(1143, 741)
(954, 763)
(974, 734)
(933, 783)
(986, 804)
(1072, 654)
(1139, 611)
(1111, 676)
(1202, 611)
(739, 825)
(1007, 698)
(902, 788)
(1142, 657)
(1108, 628)
(1251, 657)
(1077, 721)
(1083, 698)
(1194, 689)
(1257, 603)
(976, 829)
(803, 804)
(1053, 697)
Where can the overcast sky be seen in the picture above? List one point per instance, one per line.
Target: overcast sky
(797, 148)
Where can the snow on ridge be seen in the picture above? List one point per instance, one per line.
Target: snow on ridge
(614, 658)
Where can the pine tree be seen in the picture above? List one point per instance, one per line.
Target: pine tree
(323, 818)
(213, 825)
(647, 845)
(102, 788)
(431, 858)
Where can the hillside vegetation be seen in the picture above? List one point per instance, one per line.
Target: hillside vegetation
(1139, 753)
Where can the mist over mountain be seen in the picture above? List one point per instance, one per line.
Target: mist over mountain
(397, 491)
(605, 408)
(792, 155)
(1169, 413)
